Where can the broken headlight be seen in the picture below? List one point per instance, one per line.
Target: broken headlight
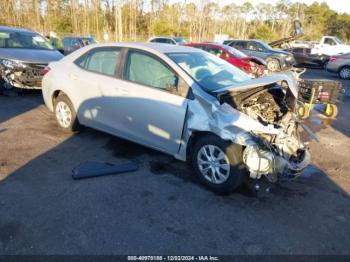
(11, 64)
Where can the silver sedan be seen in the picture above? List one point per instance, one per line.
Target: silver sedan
(340, 65)
(184, 102)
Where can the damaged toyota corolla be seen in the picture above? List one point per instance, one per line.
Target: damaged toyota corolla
(184, 102)
(24, 55)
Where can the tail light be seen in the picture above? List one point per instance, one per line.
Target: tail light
(332, 59)
(46, 70)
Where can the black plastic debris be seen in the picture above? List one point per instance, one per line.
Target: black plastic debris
(94, 169)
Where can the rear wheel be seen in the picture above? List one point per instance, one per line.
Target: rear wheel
(218, 163)
(65, 114)
(344, 73)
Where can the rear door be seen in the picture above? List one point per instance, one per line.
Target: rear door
(92, 73)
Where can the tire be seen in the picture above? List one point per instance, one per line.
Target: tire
(232, 168)
(273, 65)
(331, 110)
(65, 114)
(344, 72)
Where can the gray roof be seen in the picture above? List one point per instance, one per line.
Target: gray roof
(14, 29)
(162, 48)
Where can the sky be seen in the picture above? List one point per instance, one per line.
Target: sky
(337, 5)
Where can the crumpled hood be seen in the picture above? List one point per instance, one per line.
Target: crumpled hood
(289, 77)
(30, 55)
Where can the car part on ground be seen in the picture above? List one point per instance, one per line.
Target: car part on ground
(313, 92)
(23, 57)
(253, 66)
(277, 60)
(90, 169)
(229, 124)
(340, 65)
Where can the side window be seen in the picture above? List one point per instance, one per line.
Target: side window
(239, 45)
(170, 41)
(147, 70)
(100, 60)
(198, 47)
(66, 42)
(213, 50)
(254, 46)
(329, 41)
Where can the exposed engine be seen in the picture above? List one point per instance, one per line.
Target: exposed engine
(268, 107)
(273, 154)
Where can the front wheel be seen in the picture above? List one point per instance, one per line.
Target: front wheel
(66, 116)
(273, 65)
(218, 163)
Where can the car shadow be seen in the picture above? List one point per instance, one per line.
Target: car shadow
(158, 209)
(28, 100)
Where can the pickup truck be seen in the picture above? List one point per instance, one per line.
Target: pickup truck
(330, 45)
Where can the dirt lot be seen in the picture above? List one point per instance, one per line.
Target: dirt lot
(160, 209)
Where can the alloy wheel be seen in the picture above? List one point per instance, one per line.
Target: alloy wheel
(63, 114)
(345, 73)
(213, 164)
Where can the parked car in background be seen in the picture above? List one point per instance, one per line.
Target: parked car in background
(340, 65)
(251, 65)
(184, 102)
(168, 40)
(276, 60)
(23, 56)
(70, 44)
(330, 45)
(303, 57)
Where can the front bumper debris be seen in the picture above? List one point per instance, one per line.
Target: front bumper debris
(264, 162)
(28, 76)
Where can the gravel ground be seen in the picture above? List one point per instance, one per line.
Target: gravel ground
(161, 208)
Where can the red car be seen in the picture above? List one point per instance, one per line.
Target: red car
(252, 65)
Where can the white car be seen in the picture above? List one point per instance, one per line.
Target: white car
(184, 102)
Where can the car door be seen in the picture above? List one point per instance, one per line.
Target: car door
(92, 72)
(256, 49)
(150, 106)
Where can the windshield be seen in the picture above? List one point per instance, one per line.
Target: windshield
(210, 72)
(23, 40)
(235, 52)
(340, 42)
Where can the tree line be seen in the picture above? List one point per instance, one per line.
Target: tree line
(137, 20)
